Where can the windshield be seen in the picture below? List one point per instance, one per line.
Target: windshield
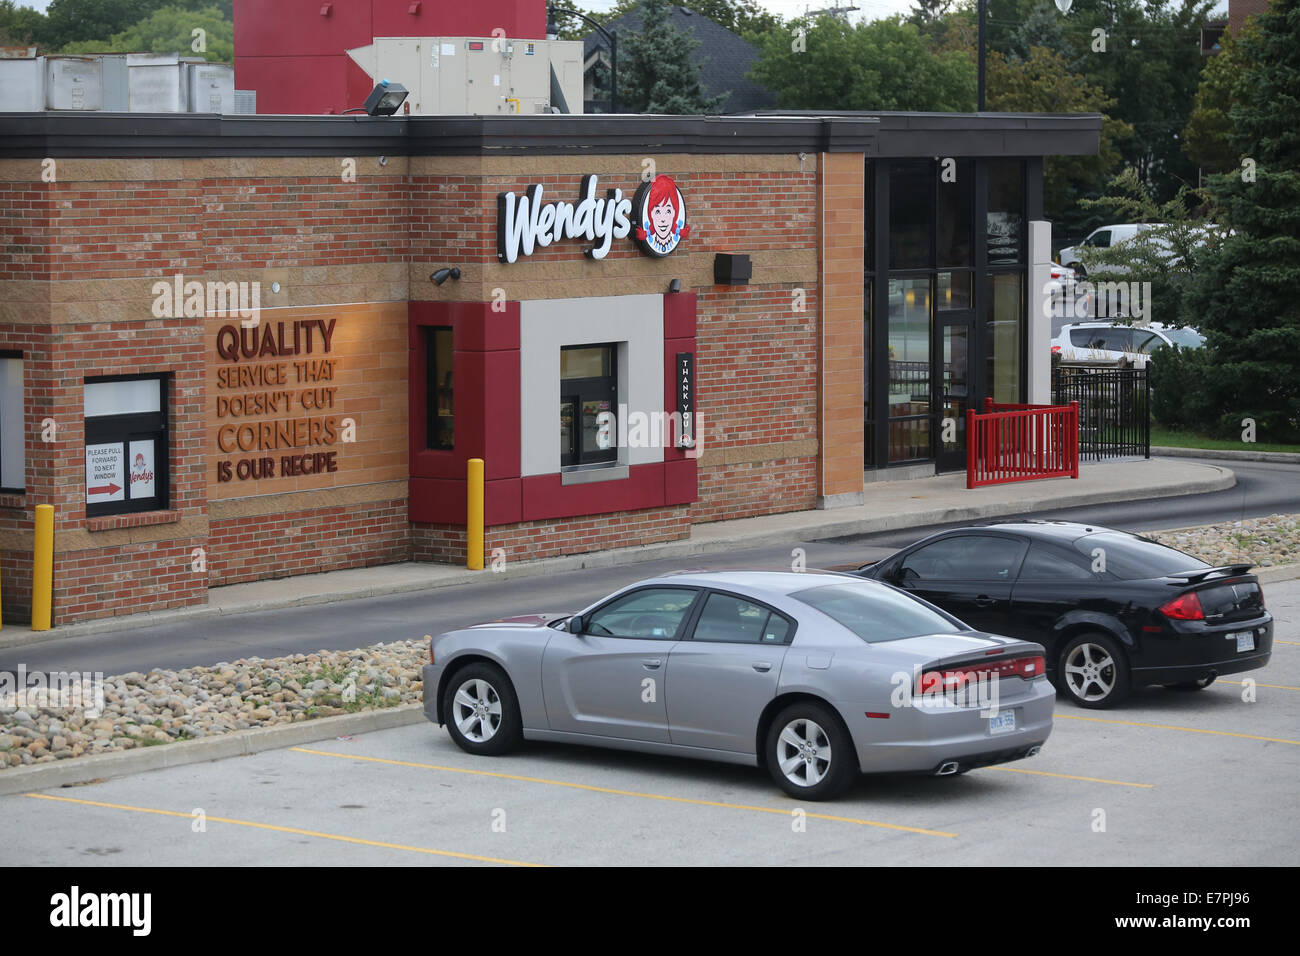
(876, 614)
(1131, 558)
(1185, 338)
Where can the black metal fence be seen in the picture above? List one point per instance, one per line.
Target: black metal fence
(1114, 409)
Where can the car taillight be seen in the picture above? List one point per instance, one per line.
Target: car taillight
(1056, 348)
(431, 660)
(1185, 607)
(954, 677)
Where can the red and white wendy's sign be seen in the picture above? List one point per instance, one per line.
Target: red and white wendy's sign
(525, 224)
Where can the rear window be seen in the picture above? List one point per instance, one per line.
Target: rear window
(876, 613)
(1185, 338)
(1131, 558)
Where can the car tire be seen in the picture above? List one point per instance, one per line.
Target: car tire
(1079, 271)
(1189, 685)
(482, 711)
(1093, 671)
(797, 744)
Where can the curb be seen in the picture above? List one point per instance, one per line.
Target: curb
(241, 743)
(701, 543)
(1166, 451)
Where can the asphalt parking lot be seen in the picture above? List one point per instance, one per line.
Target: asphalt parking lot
(1170, 778)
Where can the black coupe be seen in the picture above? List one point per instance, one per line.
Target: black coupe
(1114, 610)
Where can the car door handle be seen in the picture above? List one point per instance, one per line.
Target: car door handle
(984, 600)
(762, 666)
(651, 663)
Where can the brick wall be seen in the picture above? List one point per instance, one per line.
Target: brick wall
(547, 539)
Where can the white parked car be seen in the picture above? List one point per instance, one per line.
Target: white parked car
(1108, 343)
(1103, 238)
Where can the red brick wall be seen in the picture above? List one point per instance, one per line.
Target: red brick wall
(547, 539)
(305, 542)
(125, 579)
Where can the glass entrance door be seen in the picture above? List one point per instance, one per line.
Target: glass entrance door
(952, 377)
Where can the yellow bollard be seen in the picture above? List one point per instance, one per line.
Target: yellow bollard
(474, 520)
(43, 568)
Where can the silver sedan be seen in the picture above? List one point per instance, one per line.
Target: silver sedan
(816, 676)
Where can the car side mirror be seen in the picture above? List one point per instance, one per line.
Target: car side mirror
(575, 624)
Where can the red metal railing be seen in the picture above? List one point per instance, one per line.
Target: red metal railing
(1021, 442)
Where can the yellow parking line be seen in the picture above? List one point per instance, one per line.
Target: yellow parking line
(1276, 641)
(621, 793)
(1190, 730)
(1258, 684)
(279, 829)
(1070, 776)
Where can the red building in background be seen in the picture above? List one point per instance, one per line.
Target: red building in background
(294, 52)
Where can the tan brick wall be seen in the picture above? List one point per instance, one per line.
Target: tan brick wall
(841, 205)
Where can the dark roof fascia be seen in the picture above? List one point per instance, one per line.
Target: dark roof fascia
(87, 135)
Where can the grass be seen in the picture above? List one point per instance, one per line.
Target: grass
(1178, 439)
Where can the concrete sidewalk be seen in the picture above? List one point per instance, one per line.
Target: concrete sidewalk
(889, 505)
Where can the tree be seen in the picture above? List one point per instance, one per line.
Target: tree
(1043, 83)
(19, 26)
(1244, 296)
(655, 74)
(75, 21)
(1205, 138)
(169, 30)
(827, 64)
(929, 17)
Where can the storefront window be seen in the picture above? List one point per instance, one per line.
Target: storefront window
(13, 444)
(588, 390)
(442, 405)
(955, 214)
(953, 291)
(1006, 212)
(909, 369)
(126, 444)
(911, 214)
(1005, 318)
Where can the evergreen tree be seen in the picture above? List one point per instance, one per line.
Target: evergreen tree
(655, 74)
(1245, 298)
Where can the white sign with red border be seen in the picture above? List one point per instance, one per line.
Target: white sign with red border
(105, 473)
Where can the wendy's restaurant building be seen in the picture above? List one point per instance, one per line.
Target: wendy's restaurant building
(236, 348)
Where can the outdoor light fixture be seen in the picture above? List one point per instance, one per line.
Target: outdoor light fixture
(675, 285)
(442, 275)
(385, 99)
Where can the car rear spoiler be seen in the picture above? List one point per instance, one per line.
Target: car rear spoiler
(1196, 577)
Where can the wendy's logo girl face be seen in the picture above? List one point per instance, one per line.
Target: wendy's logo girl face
(661, 216)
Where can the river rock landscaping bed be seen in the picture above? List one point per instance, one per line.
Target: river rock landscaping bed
(42, 725)
(1263, 542)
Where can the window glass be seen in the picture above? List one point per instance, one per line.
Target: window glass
(1185, 338)
(868, 412)
(736, 621)
(911, 214)
(126, 446)
(648, 613)
(874, 613)
(953, 290)
(1145, 342)
(1099, 239)
(909, 369)
(1131, 558)
(13, 443)
(956, 213)
(588, 404)
(1044, 563)
(1005, 319)
(967, 557)
(438, 375)
(1004, 225)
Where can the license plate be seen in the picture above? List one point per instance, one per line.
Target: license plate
(1003, 723)
(1245, 640)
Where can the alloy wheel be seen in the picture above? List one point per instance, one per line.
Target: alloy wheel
(1090, 672)
(803, 751)
(476, 708)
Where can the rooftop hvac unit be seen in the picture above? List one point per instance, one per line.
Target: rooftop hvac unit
(73, 83)
(212, 88)
(22, 85)
(157, 83)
